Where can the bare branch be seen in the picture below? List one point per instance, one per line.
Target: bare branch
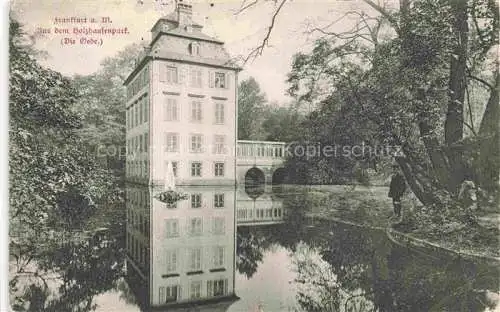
(469, 106)
(265, 42)
(245, 5)
(384, 13)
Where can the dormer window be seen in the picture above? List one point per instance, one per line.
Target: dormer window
(194, 48)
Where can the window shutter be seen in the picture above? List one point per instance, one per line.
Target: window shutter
(182, 74)
(162, 294)
(163, 73)
(210, 288)
(228, 80)
(225, 286)
(167, 228)
(211, 78)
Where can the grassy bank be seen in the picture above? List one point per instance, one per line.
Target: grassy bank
(370, 206)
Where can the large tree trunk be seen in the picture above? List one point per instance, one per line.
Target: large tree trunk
(457, 83)
(487, 164)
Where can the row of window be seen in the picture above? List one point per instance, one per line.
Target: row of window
(194, 260)
(137, 251)
(137, 168)
(141, 80)
(172, 74)
(171, 111)
(138, 197)
(196, 201)
(140, 168)
(138, 112)
(214, 288)
(196, 143)
(194, 227)
(138, 222)
(138, 143)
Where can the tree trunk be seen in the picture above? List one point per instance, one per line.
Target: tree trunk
(488, 163)
(457, 83)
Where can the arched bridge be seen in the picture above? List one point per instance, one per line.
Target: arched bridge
(260, 162)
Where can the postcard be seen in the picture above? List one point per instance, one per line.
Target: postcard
(238, 155)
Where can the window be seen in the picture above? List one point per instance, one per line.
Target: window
(171, 261)
(217, 288)
(171, 228)
(195, 226)
(195, 290)
(195, 200)
(171, 142)
(171, 110)
(196, 169)
(219, 200)
(127, 119)
(196, 143)
(196, 113)
(218, 226)
(140, 105)
(194, 48)
(219, 146)
(220, 80)
(195, 259)
(140, 143)
(168, 294)
(219, 113)
(196, 78)
(219, 169)
(218, 257)
(146, 142)
(172, 74)
(136, 114)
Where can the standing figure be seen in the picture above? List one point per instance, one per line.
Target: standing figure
(396, 189)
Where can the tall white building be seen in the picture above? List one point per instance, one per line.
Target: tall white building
(182, 106)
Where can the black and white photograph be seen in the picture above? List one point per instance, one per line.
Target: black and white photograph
(252, 156)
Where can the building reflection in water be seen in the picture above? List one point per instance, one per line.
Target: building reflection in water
(255, 206)
(182, 256)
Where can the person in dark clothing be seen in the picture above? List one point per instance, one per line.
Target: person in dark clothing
(397, 189)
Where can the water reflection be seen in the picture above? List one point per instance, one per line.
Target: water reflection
(184, 256)
(323, 265)
(226, 250)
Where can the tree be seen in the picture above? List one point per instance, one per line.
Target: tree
(250, 108)
(53, 176)
(408, 74)
(101, 104)
(281, 124)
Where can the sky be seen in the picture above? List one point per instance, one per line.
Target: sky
(241, 32)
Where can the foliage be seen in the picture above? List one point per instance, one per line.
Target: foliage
(171, 197)
(251, 102)
(57, 186)
(407, 90)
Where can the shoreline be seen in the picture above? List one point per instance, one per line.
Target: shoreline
(407, 240)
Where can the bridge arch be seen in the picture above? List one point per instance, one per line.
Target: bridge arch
(278, 176)
(255, 176)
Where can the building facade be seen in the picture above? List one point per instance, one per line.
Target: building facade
(184, 256)
(182, 106)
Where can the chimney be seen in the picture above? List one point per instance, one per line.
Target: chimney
(185, 14)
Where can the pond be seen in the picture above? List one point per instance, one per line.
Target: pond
(226, 249)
